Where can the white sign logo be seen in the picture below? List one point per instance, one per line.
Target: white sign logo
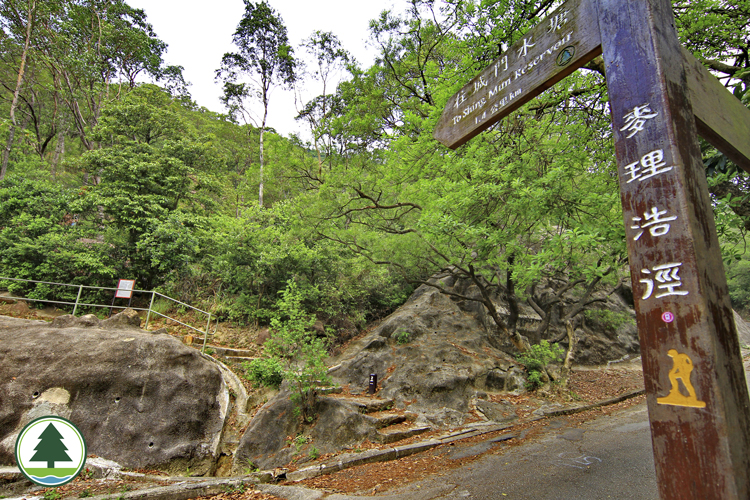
(50, 451)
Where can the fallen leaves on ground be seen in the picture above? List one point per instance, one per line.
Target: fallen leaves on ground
(241, 495)
(585, 386)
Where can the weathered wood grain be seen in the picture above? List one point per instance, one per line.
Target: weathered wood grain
(522, 72)
(720, 117)
(697, 397)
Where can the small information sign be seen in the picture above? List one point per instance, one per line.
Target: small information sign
(125, 289)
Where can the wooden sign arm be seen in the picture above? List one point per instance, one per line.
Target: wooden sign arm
(720, 117)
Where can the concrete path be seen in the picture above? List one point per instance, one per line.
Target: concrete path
(610, 457)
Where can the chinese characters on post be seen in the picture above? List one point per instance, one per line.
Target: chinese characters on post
(655, 222)
(652, 164)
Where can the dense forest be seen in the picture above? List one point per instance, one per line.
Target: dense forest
(106, 177)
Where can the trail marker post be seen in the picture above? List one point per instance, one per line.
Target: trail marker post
(696, 392)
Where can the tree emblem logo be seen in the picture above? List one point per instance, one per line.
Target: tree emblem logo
(50, 451)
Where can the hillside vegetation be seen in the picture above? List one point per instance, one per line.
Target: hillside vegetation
(106, 177)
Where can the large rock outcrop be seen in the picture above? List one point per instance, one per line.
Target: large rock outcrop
(266, 443)
(139, 399)
(438, 358)
(431, 355)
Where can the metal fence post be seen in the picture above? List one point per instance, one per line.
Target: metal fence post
(78, 298)
(148, 315)
(205, 337)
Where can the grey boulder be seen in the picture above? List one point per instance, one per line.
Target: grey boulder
(139, 399)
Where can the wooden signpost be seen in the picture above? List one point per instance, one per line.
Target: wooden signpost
(696, 392)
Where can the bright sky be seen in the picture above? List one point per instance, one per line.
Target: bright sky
(199, 32)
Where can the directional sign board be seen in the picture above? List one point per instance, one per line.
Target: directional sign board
(549, 52)
(566, 40)
(660, 98)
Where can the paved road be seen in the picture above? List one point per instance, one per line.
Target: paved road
(610, 457)
(607, 458)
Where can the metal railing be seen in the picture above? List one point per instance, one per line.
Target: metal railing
(150, 310)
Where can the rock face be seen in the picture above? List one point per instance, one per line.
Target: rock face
(743, 330)
(139, 399)
(431, 355)
(265, 444)
(435, 353)
(436, 357)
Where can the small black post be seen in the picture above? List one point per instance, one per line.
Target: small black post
(373, 383)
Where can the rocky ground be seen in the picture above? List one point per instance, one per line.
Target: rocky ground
(589, 385)
(585, 386)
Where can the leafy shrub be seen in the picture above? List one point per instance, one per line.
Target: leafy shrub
(608, 319)
(298, 350)
(162, 306)
(738, 280)
(41, 240)
(255, 256)
(264, 372)
(403, 337)
(536, 360)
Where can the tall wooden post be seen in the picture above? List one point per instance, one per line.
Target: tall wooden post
(697, 397)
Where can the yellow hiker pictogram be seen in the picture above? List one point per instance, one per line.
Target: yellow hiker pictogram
(681, 370)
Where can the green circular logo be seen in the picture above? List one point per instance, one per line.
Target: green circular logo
(50, 451)
(566, 55)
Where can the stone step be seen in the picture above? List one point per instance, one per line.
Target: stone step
(9, 299)
(368, 405)
(238, 359)
(330, 390)
(387, 436)
(387, 419)
(230, 352)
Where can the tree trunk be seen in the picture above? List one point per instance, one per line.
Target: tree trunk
(59, 151)
(19, 82)
(260, 188)
(262, 132)
(6, 151)
(572, 341)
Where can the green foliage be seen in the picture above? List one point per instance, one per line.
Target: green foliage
(52, 494)
(300, 441)
(738, 280)
(162, 191)
(162, 306)
(266, 372)
(536, 360)
(403, 337)
(250, 467)
(314, 453)
(156, 183)
(257, 254)
(39, 241)
(264, 49)
(297, 348)
(239, 488)
(608, 319)
(266, 57)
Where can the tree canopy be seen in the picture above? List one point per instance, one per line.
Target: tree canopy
(109, 177)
